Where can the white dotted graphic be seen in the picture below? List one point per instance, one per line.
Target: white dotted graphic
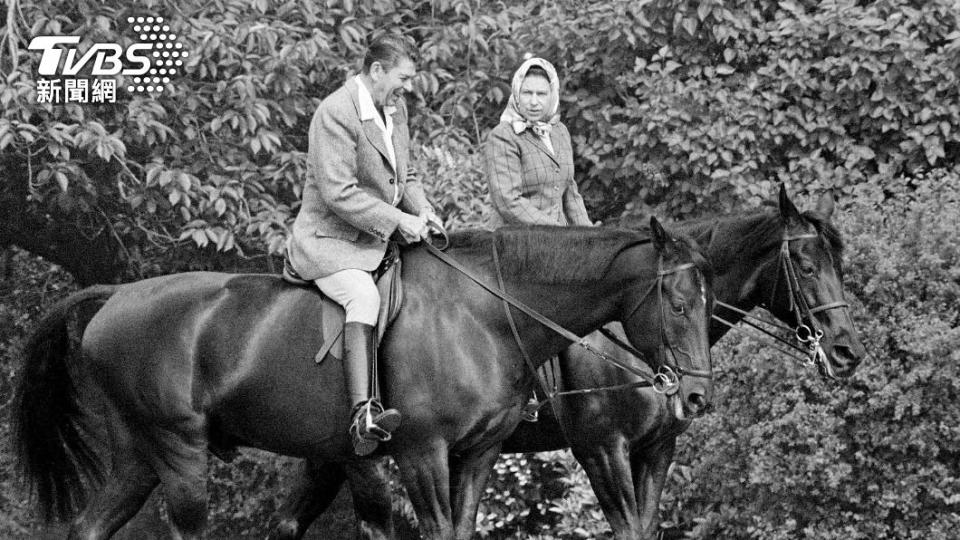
(152, 31)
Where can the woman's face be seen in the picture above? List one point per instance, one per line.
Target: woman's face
(534, 97)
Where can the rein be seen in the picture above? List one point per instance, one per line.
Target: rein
(666, 380)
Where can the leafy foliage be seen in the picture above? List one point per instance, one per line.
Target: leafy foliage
(705, 104)
(681, 105)
(789, 456)
(215, 163)
(26, 286)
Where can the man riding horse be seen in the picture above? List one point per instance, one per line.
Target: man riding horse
(358, 192)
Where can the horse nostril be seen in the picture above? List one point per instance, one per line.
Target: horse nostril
(846, 354)
(698, 401)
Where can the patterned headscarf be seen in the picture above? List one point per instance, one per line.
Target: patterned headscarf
(512, 114)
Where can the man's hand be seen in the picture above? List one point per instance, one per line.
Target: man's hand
(430, 218)
(435, 227)
(413, 228)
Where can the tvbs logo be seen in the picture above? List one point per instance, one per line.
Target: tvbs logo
(150, 62)
(106, 57)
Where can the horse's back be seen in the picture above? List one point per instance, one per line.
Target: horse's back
(234, 349)
(143, 314)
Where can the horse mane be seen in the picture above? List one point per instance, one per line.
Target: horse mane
(828, 231)
(733, 237)
(549, 254)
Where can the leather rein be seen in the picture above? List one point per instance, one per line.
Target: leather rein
(667, 378)
(808, 349)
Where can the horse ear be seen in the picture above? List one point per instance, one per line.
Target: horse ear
(825, 203)
(788, 212)
(660, 236)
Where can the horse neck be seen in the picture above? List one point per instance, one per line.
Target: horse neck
(567, 291)
(734, 249)
(579, 308)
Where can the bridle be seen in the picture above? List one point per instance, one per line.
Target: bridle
(667, 376)
(666, 380)
(807, 337)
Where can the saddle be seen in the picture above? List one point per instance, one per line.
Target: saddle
(387, 277)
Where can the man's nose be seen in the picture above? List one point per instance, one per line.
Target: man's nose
(408, 86)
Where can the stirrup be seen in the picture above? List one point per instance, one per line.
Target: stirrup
(530, 411)
(371, 425)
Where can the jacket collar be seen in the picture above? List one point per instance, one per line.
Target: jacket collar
(365, 106)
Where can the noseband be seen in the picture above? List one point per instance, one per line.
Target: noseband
(667, 377)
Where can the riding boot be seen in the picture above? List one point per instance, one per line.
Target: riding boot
(370, 423)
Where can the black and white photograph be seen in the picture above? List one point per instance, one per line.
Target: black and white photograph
(480, 269)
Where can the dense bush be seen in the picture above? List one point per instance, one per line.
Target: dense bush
(26, 287)
(708, 103)
(215, 163)
(789, 456)
(687, 105)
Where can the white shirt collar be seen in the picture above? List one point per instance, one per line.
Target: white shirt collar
(368, 110)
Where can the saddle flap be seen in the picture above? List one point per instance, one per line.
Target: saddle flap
(391, 298)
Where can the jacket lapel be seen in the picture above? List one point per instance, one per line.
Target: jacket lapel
(370, 129)
(375, 136)
(399, 149)
(543, 148)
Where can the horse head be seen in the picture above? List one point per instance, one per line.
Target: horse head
(802, 283)
(681, 299)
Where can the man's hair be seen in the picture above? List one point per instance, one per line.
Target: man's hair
(389, 50)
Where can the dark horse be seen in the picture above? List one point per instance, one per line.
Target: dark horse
(197, 359)
(625, 439)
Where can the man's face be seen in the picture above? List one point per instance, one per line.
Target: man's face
(534, 97)
(389, 85)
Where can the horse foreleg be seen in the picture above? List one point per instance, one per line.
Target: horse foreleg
(425, 474)
(372, 498)
(468, 476)
(608, 468)
(649, 475)
(125, 491)
(315, 486)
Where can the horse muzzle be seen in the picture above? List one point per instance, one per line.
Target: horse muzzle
(839, 363)
(691, 401)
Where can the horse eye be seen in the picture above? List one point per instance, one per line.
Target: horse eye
(807, 270)
(679, 309)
